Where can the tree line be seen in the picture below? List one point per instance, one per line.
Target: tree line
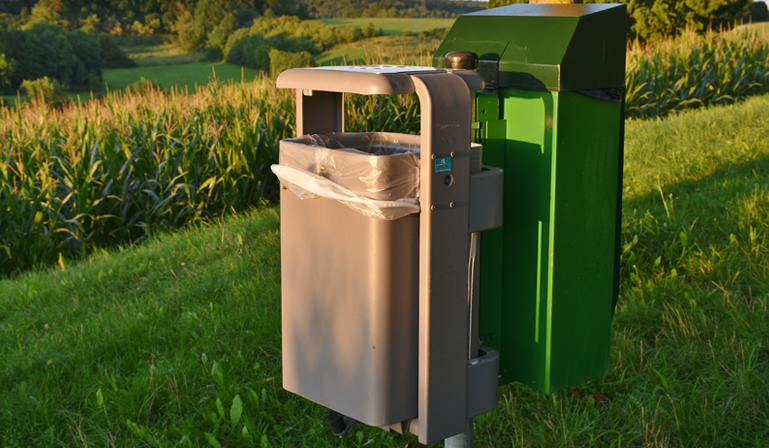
(652, 20)
(147, 17)
(71, 41)
(71, 60)
(390, 8)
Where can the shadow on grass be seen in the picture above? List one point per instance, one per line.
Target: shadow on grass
(722, 203)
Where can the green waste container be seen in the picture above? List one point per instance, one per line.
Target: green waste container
(551, 116)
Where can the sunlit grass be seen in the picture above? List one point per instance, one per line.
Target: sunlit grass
(184, 77)
(154, 51)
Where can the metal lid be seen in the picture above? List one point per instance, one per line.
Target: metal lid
(546, 46)
(365, 79)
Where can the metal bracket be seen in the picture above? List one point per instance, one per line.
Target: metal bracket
(339, 424)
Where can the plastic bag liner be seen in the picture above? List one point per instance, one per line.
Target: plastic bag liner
(374, 173)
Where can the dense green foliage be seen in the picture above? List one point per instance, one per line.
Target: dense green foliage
(250, 47)
(389, 8)
(211, 20)
(5, 73)
(194, 24)
(142, 86)
(112, 56)
(759, 12)
(144, 17)
(44, 89)
(211, 26)
(139, 17)
(249, 51)
(176, 343)
(73, 58)
(655, 19)
(284, 60)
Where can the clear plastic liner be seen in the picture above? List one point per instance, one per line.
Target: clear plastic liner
(376, 174)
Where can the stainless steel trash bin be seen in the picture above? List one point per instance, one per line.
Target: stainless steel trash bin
(350, 277)
(377, 295)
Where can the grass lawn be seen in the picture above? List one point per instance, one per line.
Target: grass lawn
(177, 342)
(393, 25)
(181, 75)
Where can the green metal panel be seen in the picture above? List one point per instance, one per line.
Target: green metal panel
(546, 46)
(492, 137)
(524, 238)
(546, 295)
(584, 211)
(548, 275)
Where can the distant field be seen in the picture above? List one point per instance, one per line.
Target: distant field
(394, 25)
(382, 50)
(182, 75)
(761, 26)
(165, 54)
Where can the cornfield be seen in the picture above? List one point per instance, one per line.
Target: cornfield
(113, 171)
(696, 70)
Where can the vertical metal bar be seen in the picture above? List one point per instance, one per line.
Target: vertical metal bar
(538, 304)
(473, 269)
(463, 439)
(446, 132)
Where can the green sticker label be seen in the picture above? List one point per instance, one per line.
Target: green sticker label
(443, 165)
